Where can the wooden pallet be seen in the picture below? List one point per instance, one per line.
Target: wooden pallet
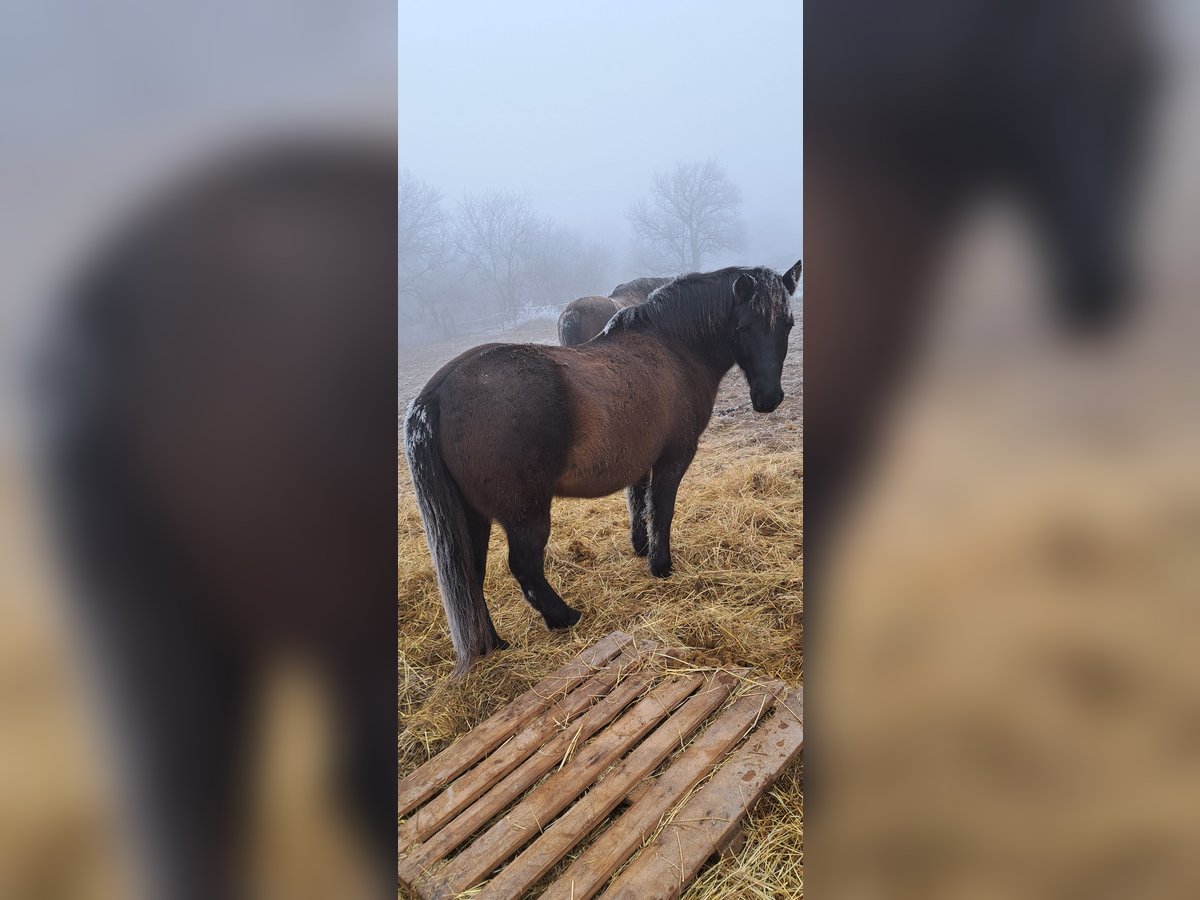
(536, 781)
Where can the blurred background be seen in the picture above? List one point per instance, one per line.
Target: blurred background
(110, 109)
(1002, 495)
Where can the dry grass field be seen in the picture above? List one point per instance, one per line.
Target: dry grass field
(736, 593)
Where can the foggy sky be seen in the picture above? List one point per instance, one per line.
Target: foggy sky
(577, 105)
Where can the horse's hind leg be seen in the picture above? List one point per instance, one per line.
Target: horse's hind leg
(480, 527)
(635, 498)
(526, 558)
(179, 684)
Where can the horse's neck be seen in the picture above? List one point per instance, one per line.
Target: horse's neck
(702, 343)
(709, 355)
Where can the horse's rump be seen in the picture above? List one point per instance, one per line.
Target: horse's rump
(583, 319)
(493, 399)
(637, 291)
(174, 481)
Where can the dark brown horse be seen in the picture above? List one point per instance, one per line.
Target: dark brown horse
(218, 401)
(639, 289)
(902, 140)
(583, 319)
(501, 430)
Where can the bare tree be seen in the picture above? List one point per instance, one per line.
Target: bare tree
(565, 266)
(496, 234)
(494, 254)
(425, 249)
(692, 214)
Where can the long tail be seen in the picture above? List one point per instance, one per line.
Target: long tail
(443, 512)
(570, 323)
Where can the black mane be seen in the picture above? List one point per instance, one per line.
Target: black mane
(698, 304)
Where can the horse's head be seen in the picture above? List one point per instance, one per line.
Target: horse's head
(1054, 113)
(761, 321)
(1076, 148)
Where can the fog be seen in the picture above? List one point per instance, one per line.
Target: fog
(575, 108)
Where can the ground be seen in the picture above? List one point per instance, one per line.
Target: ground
(736, 592)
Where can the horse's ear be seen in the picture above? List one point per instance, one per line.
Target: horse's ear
(743, 288)
(791, 277)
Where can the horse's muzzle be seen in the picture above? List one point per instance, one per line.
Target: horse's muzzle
(766, 401)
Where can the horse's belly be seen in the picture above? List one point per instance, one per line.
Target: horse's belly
(598, 476)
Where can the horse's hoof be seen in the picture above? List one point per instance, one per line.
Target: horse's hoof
(660, 568)
(567, 618)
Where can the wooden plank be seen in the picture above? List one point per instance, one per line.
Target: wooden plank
(428, 778)
(714, 813)
(463, 791)
(734, 845)
(420, 856)
(592, 869)
(524, 822)
(638, 791)
(579, 821)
